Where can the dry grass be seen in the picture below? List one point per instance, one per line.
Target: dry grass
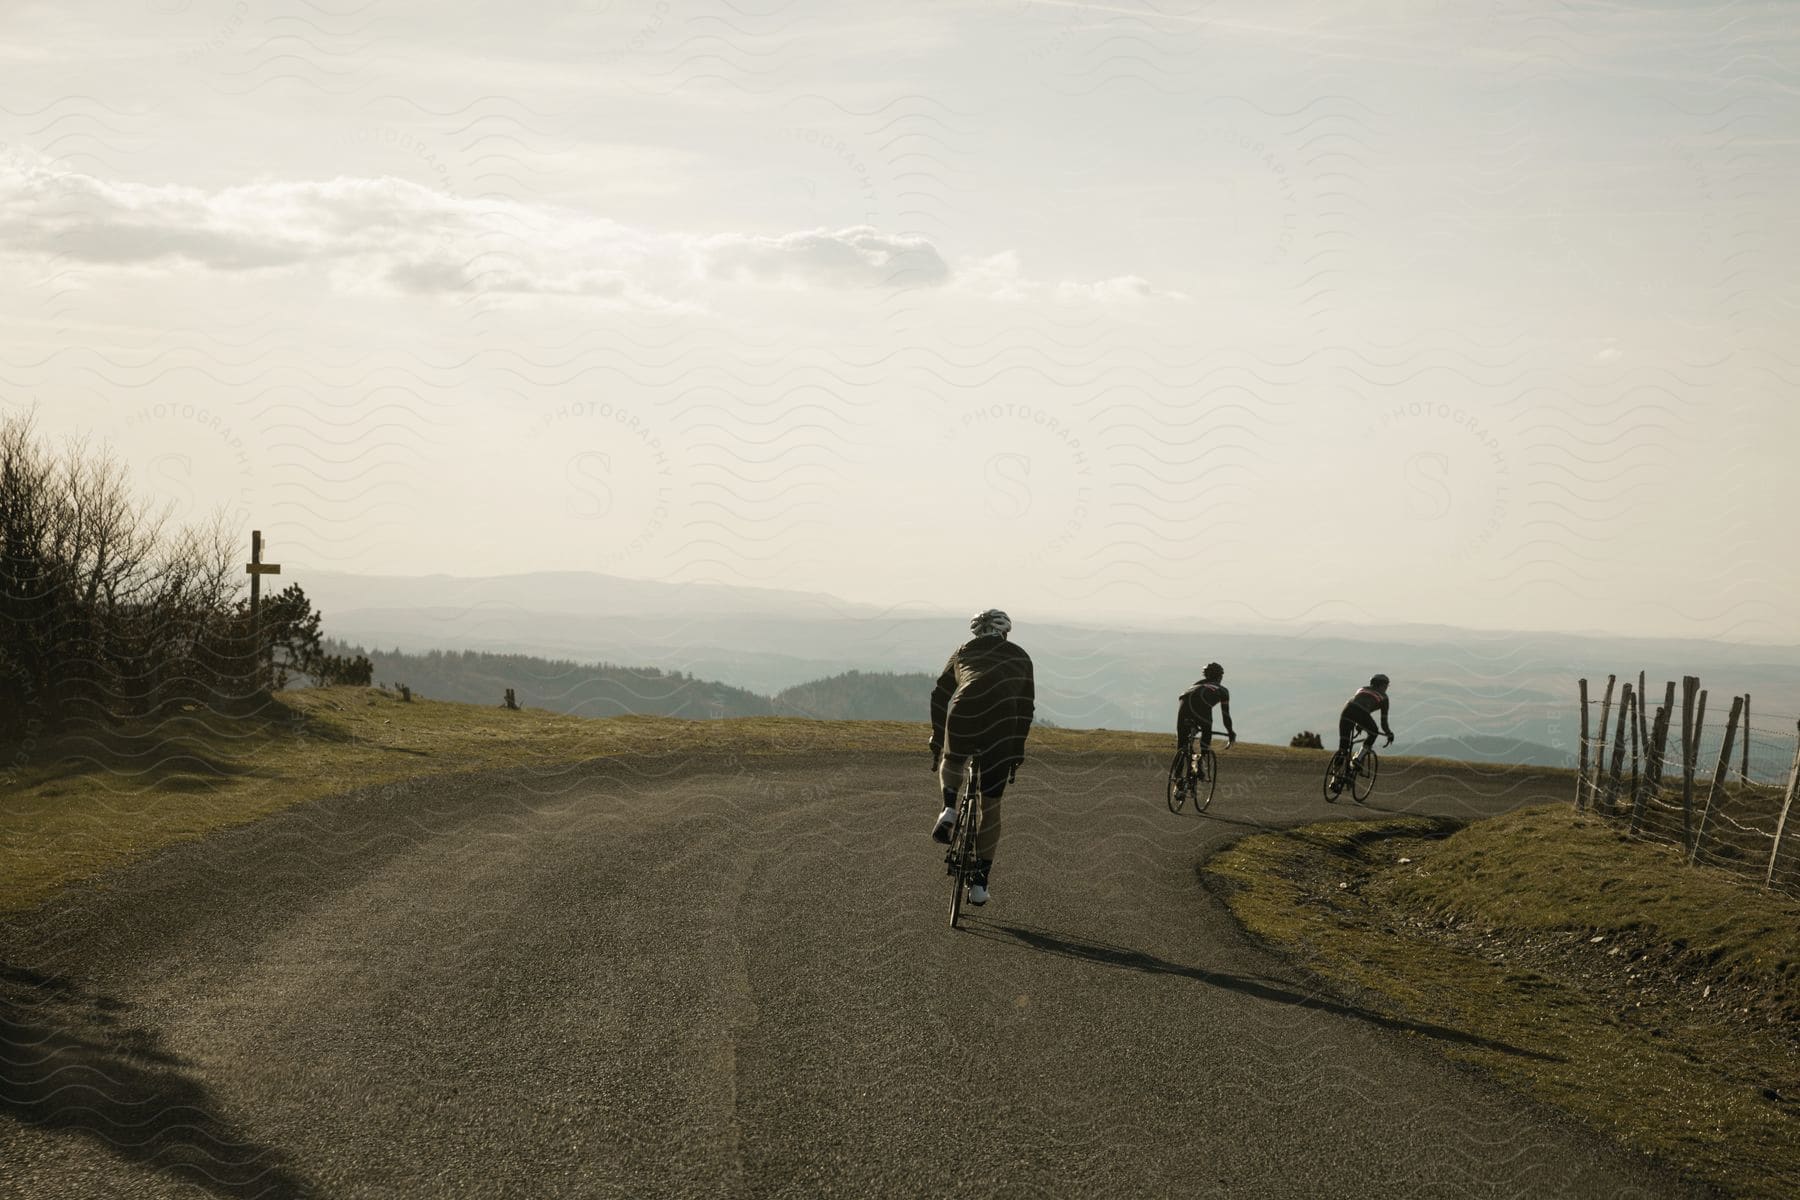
(89, 804)
(1656, 1001)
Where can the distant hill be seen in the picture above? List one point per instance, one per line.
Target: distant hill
(859, 696)
(585, 593)
(1453, 689)
(606, 689)
(581, 689)
(1477, 747)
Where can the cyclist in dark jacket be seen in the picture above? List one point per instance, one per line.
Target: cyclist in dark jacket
(1359, 713)
(982, 706)
(1195, 713)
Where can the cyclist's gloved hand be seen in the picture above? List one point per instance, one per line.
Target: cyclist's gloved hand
(1390, 740)
(1230, 738)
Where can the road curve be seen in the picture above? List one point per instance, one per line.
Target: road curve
(704, 977)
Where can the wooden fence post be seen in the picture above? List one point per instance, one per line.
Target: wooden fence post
(1659, 736)
(1639, 735)
(1654, 751)
(1712, 793)
(1786, 806)
(1690, 684)
(1618, 760)
(1744, 768)
(1581, 768)
(1656, 754)
(1662, 741)
(1637, 726)
(1600, 743)
(1699, 726)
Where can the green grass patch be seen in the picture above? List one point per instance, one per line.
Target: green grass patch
(1598, 973)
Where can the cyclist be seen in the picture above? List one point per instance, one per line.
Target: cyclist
(1196, 708)
(982, 706)
(1359, 713)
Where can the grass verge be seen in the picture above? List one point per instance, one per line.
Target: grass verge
(1656, 1002)
(91, 803)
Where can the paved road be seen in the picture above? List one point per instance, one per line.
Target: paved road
(716, 978)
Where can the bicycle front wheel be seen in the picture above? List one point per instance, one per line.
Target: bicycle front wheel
(953, 860)
(965, 840)
(1209, 772)
(1178, 781)
(1334, 771)
(1364, 783)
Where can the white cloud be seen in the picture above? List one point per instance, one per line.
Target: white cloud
(400, 237)
(1000, 277)
(1120, 289)
(856, 257)
(996, 277)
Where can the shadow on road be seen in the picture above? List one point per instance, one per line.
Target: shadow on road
(1209, 815)
(1263, 989)
(68, 1061)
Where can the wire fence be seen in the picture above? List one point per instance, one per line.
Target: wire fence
(1714, 776)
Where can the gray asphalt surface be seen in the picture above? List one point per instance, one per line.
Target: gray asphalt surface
(704, 977)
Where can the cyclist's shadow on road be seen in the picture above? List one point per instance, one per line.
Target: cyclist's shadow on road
(1263, 989)
(73, 1062)
(1222, 819)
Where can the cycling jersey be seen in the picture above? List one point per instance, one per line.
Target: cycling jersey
(1351, 720)
(984, 702)
(1359, 713)
(1196, 708)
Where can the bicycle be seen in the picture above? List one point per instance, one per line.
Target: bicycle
(962, 860)
(1353, 769)
(1190, 772)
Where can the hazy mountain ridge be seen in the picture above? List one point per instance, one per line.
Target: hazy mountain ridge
(1449, 684)
(581, 592)
(582, 689)
(606, 689)
(860, 696)
(1484, 749)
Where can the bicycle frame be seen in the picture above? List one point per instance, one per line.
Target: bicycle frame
(1346, 767)
(965, 836)
(1191, 756)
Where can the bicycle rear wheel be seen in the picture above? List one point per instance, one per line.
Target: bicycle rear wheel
(1364, 783)
(1178, 780)
(1209, 771)
(1334, 770)
(964, 840)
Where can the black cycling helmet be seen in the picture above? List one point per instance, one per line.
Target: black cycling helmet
(1378, 681)
(991, 621)
(1213, 671)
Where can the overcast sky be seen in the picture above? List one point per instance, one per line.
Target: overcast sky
(1480, 314)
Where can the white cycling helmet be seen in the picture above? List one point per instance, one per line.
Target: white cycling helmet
(991, 621)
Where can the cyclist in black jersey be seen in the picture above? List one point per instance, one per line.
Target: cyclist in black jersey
(1195, 713)
(982, 707)
(1359, 713)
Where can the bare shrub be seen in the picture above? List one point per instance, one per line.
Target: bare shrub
(106, 612)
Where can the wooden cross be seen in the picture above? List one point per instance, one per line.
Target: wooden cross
(256, 568)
